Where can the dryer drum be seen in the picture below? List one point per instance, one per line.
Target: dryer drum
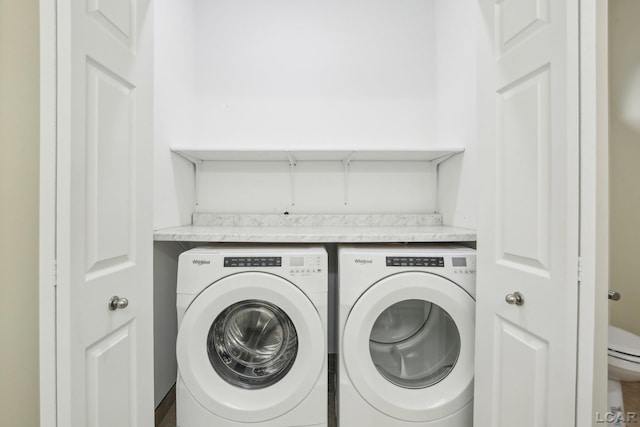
(414, 344)
(252, 344)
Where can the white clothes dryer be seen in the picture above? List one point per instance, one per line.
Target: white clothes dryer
(406, 328)
(252, 337)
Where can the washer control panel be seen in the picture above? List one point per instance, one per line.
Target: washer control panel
(296, 265)
(304, 265)
(270, 261)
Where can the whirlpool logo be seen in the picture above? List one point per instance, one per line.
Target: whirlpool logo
(200, 262)
(363, 261)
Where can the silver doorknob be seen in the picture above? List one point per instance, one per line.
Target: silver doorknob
(116, 303)
(515, 298)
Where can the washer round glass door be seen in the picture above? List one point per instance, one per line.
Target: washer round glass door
(250, 360)
(408, 346)
(252, 344)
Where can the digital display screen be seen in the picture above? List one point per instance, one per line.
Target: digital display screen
(459, 262)
(296, 261)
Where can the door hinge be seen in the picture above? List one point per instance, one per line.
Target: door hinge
(579, 269)
(55, 273)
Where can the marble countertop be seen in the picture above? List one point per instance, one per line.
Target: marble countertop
(316, 228)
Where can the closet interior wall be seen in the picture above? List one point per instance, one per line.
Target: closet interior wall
(308, 75)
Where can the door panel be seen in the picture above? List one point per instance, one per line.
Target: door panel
(522, 223)
(116, 16)
(519, 19)
(518, 348)
(109, 196)
(528, 220)
(104, 216)
(106, 391)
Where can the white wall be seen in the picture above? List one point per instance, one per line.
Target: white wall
(315, 74)
(624, 85)
(174, 56)
(457, 92)
(19, 172)
(265, 187)
(312, 73)
(309, 74)
(174, 76)
(165, 325)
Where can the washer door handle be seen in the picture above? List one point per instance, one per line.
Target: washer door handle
(515, 298)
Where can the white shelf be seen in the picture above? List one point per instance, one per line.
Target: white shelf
(200, 154)
(432, 158)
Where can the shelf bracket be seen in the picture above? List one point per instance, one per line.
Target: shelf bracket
(434, 167)
(292, 177)
(197, 166)
(345, 170)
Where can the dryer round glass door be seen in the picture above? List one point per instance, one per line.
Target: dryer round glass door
(252, 344)
(408, 346)
(414, 343)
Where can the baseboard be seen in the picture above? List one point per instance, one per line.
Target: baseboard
(165, 405)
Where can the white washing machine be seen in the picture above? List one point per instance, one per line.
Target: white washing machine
(406, 325)
(252, 337)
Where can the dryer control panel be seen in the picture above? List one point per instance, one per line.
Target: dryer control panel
(459, 264)
(420, 261)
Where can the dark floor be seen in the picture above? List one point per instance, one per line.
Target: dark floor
(333, 422)
(631, 398)
(169, 419)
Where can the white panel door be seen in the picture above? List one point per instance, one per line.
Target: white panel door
(528, 215)
(104, 213)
